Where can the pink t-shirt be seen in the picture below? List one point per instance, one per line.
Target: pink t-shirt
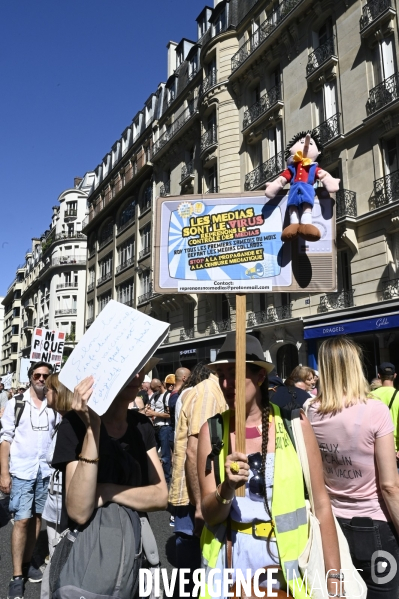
(346, 442)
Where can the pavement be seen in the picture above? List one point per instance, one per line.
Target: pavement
(159, 523)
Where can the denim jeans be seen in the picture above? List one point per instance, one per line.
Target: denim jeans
(164, 437)
(363, 542)
(188, 549)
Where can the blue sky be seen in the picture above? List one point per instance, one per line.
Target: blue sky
(74, 73)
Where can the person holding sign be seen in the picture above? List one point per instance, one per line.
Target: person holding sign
(112, 458)
(274, 501)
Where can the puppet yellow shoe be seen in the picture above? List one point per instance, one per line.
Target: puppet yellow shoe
(290, 233)
(309, 232)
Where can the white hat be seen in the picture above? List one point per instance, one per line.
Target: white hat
(147, 379)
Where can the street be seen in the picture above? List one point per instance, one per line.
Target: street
(160, 525)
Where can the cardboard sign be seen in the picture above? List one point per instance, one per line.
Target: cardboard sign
(232, 243)
(115, 348)
(23, 371)
(48, 346)
(7, 380)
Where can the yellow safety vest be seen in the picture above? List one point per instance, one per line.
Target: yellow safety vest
(288, 509)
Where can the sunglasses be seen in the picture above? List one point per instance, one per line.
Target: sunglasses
(256, 484)
(36, 376)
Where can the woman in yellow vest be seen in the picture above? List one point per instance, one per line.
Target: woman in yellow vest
(268, 527)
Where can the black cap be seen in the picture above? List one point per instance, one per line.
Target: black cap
(386, 368)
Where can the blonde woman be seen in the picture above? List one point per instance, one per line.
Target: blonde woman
(355, 436)
(59, 398)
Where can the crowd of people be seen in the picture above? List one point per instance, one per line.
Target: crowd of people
(170, 444)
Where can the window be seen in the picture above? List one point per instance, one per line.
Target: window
(71, 208)
(213, 179)
(327, 101)
(92, 276)
(193, 67)
(275, 137)
(126, 251)
(221, 22)
(344, 271)
(125, 293)
(179, 58)
(90, 309)
(391, 155)
(148, 113)
(189, 315)
(202, 27)
(105, 267)
(212, 69)
(145, 237)
(74, 302)
(145, 281)
(71, 229)
(103, 301)
(136, 128)
(128, 212)
(107, 232)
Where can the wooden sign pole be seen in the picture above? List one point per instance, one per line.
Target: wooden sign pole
(241, 321)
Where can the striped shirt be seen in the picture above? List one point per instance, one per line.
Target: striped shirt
(202, 402)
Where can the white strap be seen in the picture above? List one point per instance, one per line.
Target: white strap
(303, 457)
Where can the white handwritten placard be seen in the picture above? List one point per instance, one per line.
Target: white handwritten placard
(117, 346)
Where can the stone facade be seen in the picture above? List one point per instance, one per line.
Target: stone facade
(259, 72)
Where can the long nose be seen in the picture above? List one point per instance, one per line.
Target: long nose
(306, 145)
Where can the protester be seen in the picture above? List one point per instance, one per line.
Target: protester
(284, 395)
(202, 402)
(272, 475)
(302, 377)
(355, 436)
(112, 458)
(25, 439)
(375, 384)
(389, 395)
(157, 409)
(181, 376)
(59, 398)
(4, 397)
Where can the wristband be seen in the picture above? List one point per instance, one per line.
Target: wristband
(337, 576)
(221, 499)
(87, 461)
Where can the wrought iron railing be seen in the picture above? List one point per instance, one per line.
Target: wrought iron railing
(220, 326)
(386, 190)
(104, 278)
(262, 105)
(262, 33)
(66, 311)
(186, 334)
(329, 129)
(213, 189)
(345, 203)
(70, 213)
(372, 10)
(390, 289)
(89, 321)
(262, 173)
(187, 170)
(164, 189)
(175, 127)
(91, 286)
(127, 302)
(105, 241)
(209, 138)
(67, 285)
(146, 250)
(383, 93)
(208, 82)
(124, 265)
(126, 224)
(145, 297)
(272, 314)
(335, 301)
(320, 55)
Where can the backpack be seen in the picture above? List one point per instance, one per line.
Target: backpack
(216, 436)
(19, 408)
(102, 559)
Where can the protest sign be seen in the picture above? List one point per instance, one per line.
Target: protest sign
(7, 380)
(116, 347)
(48, 346)
(231, 243)
(23, 370)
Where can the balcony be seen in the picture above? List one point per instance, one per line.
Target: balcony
(124, 265)
(323, 55)
(72, 311)
(187, 172)
(127, 302)
(145, 297)
(91, 286)
(174, 128)
(104, 278)
(70, 213)
(329, 129)
(29, 305)
(383, 94)
(220, 326)
(67, 285)
(209, 139)
(336, 301)
(390, 289)
(266, 171)
(262, 106)
(272, 314)
(345, 203)
(374, 12)
(165, 189)
(213, 189)
(386, 190)
(89, 321)
(207, 83)
(262, 33)
(186, 334)
(62, 261)
(144, 252)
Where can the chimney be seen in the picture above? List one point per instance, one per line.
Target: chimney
(77, 181)
(171, 58)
